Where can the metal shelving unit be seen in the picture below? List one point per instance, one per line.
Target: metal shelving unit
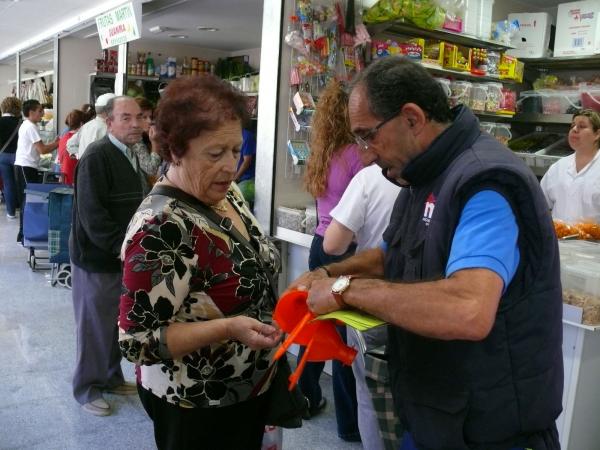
(404, 28)
(563, 63)
(536, 118)
(466, 75)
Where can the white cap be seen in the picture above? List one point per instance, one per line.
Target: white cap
(103, 99)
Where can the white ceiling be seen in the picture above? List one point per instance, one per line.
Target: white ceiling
(239, 23)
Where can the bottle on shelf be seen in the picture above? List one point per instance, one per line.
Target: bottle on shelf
(186, 66)
(149, 65)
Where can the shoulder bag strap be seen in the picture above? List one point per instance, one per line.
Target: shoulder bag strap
(12, 136)
(223, 223)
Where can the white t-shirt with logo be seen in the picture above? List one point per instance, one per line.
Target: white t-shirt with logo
(26, 154)
(573, 196)
(366, 206)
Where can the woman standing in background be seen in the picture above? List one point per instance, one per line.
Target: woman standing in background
(9, 125)
(572, 185)
(333, 162)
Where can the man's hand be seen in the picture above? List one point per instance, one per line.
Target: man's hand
(320, 300)
(304, 281)
(252, 333)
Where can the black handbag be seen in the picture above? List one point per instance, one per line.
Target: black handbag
(285, 408)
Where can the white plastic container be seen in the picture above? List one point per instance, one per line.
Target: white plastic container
(290, 218)
(479, 94)
(478, 18)
(533, 39)
(502, 133)
(494, 97)
(555, 101)
(310, 221)
(461, 92)
(578, 28)
(582, 276)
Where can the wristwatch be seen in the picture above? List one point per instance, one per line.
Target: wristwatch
(339, 287)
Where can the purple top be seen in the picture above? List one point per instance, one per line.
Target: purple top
(342, 168)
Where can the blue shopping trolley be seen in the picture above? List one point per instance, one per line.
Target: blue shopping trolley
(36, 222)
(60, 206)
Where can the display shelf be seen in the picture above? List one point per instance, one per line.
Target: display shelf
(129, 77)
(404, 28)
(466, 75)
(580, 325)
(494, 117)
(251, 94)
(567, 62)
(294, 237)
(538, 118)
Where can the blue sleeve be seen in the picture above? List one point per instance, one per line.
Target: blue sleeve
(486, 237)
(248, 144)
(383, 246)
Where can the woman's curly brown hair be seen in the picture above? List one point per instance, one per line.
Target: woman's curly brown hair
(330, 133)
(191, 106)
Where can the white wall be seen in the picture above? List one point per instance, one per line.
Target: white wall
(77, 61)
(254, 54)
(7, 72)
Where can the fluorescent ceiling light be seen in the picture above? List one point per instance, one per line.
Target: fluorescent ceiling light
(207, 29)
(178, 36)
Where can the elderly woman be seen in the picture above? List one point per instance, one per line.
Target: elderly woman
(196, 305)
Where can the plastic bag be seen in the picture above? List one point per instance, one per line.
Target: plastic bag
(273, 438)
(423, 13)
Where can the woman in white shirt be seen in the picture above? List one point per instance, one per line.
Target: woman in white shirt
(572, 185)
(29, 149)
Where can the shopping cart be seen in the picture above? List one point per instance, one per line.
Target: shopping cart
(35, 223)
(60, 205)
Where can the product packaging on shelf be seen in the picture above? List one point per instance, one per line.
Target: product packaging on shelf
(535, 38)
(590, 97)
(578, 28)
(433, 52)
(461, 92)
(457, 57)
(511, 68)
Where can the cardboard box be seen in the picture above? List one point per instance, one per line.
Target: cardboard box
(578, 29)
(536, 35)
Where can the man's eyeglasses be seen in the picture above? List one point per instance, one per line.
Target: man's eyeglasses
(364, 140)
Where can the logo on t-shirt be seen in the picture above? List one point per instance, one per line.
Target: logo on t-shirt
(429, 207)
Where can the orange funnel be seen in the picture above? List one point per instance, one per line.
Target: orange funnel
(321, 338)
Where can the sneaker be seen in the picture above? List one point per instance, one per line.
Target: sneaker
(126, 388)
(315, 410)
(98, 407)
(11, 216)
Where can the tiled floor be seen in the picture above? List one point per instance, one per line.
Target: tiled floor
(37, 348)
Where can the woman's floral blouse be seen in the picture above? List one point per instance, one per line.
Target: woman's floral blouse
(179, 268)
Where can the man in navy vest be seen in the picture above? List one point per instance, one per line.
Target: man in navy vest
(467, 275)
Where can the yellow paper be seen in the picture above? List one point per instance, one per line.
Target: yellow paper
(355, 319)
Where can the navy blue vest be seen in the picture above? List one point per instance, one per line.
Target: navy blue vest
(506, 390)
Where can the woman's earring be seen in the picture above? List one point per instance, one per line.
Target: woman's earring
(177, 163)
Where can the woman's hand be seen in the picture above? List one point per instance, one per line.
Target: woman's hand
(304, 281)
(152, 137)
(252, 333)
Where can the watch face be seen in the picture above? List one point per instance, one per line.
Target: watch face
(340, 284)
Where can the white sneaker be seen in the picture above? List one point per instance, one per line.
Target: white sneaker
(14, 216)
(98, 407)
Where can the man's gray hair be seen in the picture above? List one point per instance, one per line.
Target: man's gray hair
(110, 106)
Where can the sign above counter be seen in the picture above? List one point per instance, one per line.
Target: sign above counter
(118, 26)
